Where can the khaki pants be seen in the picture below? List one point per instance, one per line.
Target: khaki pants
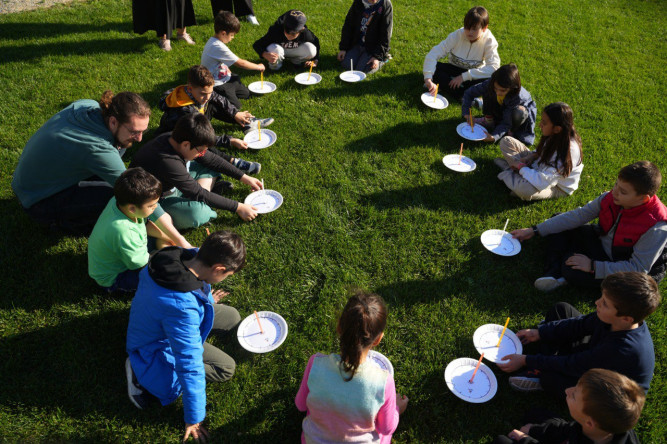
(514, 153)
(218, 365)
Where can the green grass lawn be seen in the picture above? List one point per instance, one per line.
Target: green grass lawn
(368, 204)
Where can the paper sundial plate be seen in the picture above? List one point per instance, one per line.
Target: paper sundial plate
(258, 88)
(265, 201)
(254, 142)
(460, 164)
(500, 242)
(302, 78)
(352, 76)
(251, 337)
(486, 338)
(381, 361)
(463, 129)
(438, 103)
(457, 377)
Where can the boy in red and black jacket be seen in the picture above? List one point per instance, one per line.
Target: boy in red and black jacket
(631, 234)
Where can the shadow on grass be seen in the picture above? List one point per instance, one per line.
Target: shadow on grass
(31, 30)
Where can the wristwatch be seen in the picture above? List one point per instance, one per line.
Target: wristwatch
(535, 232)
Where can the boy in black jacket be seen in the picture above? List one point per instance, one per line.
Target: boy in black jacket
(605, 406)
(366, 35)
(188, 172)
(614, 337)
(289, 38)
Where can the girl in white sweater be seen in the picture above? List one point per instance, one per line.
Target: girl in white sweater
(554, 168)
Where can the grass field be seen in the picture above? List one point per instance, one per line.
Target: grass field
(368, 203)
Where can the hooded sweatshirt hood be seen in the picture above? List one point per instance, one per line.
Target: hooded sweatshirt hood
(168, 270)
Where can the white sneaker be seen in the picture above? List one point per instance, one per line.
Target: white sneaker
(548, 283)
(252, 19)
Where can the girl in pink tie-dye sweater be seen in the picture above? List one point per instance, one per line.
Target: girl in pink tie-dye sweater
(347, 397)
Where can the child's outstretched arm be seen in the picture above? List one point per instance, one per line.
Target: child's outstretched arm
(302, 394)
(245, 64)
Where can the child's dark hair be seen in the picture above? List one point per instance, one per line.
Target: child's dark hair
(362, 321)
(200, 76)
(560, 114)
(633, 294)
(123, 106)
(644, 177)
(477, 16)
(227, 22)
(507, 76)
(194, 128)
(612, 400)
(136, 187)
(225, 248)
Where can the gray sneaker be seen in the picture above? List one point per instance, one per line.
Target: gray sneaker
(525, 384)
(250, 168)
(548, 283)
(135, 392)
(263, 122)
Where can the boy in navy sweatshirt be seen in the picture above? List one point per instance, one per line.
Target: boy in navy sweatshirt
(605, 406)
(615, 337)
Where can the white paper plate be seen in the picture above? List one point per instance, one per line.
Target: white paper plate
(302, 78)
(265, 201)
(256, 87)
(252, 339)
(464, 131)
(352, 76)
(500, 242)
(466, 164)
(439, 103)
(457, 377)
(252, 139)
(381, 361)
(485, 340)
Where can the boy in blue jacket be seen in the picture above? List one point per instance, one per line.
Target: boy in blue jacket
(172, 314)
(615, 337)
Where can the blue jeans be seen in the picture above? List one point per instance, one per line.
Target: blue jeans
(127, 281)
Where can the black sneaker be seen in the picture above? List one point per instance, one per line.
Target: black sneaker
(137, 394)
(250, 168)
(222, 187)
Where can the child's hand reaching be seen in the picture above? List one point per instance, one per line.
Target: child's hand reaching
(271, 57)
(197, 431)
(238, 144)
(456, 82)
(402, 403)
(580, 262)
(522, 234)
(514, 364)
(528, 335)
(243, 117)
(431, 87)
(341, 55)
(374, 63)
(246, 212)
(219, 295)
(526, 428)
(252, 182)
(516, 435)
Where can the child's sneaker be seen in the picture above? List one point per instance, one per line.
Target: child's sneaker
(526, 382)
(252, 19)
(253, 124)
(250, 168)
(548, 283)
(164, 44)
(137, 394)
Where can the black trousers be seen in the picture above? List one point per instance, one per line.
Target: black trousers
(240, 8)
(233, 90)
(444, 73)
(163, 16)
(553, 382)
(73, 210)
(584, 240)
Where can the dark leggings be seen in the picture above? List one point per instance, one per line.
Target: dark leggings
(233, 90)
(240, 8)
(445, 72)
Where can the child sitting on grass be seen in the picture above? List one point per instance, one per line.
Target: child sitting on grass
(507, 107)
(218, 58)
(366, 35)
(604, 405)
(118, 245)
(614, 337)
(472, 53)
(554, 168)
(198, 97)
(347, 397)
(631, 234)
(172, 314)
(289, 38)
(189, 171)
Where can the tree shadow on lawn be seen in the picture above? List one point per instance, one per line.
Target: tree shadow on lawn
(439, 133)
(39, 274)
(110, 46)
